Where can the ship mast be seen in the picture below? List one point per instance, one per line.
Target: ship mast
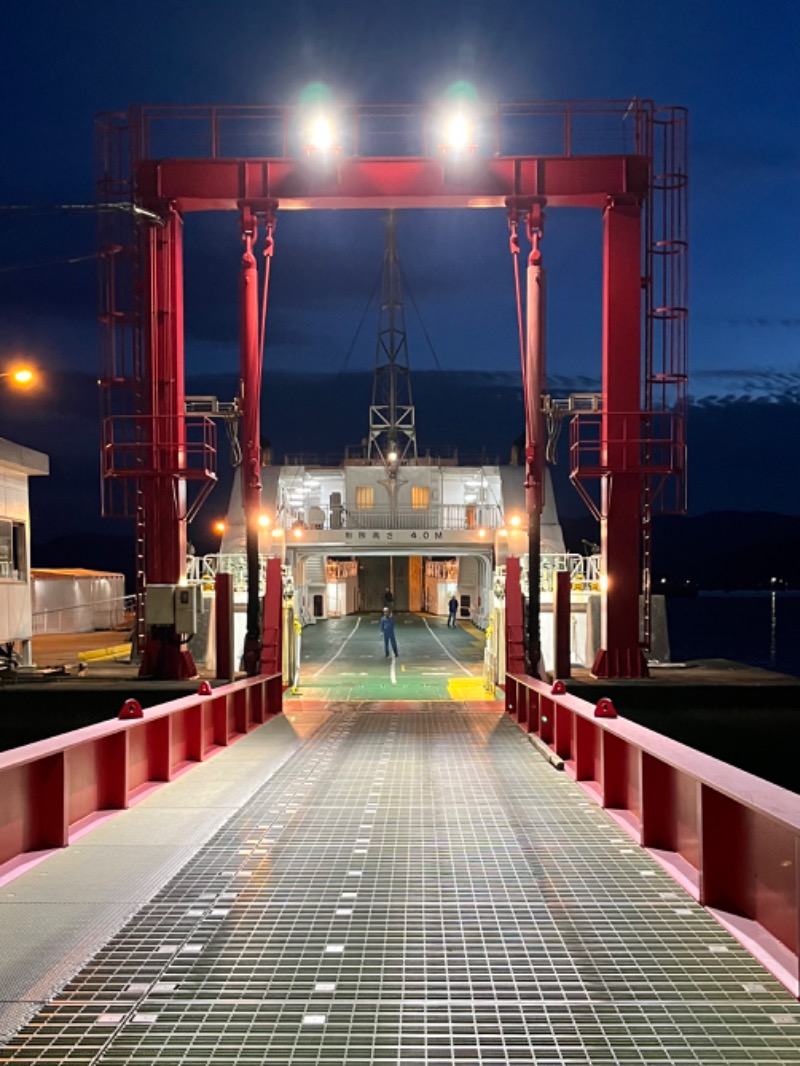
(392, 429)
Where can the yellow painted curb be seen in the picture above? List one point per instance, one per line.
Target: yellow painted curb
(99, 654)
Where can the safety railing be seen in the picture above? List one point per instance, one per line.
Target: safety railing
(552, 128)
(730, 839)
(584, 571)
(111, 613)
(55, 789)
(440, 516)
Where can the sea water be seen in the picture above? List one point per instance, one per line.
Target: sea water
(755, 628)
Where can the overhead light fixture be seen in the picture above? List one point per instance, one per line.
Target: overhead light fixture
(321, 134)
(459, 133)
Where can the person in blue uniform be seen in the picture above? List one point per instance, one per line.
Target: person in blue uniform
(387, 629)
(453, 608)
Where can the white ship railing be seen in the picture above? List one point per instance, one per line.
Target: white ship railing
(440, 516)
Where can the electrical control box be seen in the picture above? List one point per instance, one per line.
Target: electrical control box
(188, 604)
(174, 605)
(159, 605)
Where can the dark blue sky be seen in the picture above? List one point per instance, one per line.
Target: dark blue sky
(736, 67)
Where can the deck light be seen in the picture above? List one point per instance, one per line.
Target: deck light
(263, 520)
(219, 527)
(22, 376)
(321, 134)
(515, 520)
(459, 133)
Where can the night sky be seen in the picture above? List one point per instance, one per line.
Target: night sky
(735, 67)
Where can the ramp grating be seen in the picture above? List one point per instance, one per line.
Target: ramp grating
(418, 887)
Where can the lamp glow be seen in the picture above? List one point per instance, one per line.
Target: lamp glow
(219, 527)
(21, 376)
(515, 521)
(321, 134)
(459, 132)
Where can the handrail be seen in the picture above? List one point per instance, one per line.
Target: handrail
(731, 839)
(55, 789)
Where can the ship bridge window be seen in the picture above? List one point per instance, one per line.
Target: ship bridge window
(420, 497)
(365, 497)
(13, 560)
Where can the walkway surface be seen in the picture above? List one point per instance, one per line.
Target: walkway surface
(375, 882)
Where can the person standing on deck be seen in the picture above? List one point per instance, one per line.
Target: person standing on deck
(453, 608)
(387, 629)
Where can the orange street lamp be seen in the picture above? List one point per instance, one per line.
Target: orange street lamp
(219, 527)
(23, 377)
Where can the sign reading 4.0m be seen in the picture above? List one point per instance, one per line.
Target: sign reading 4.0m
(393, 536)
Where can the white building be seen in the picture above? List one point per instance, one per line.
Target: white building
(17, 465)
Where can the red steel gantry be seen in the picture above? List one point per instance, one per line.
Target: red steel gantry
(152, 175)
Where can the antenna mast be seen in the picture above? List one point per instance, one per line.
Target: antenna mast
(392, 429)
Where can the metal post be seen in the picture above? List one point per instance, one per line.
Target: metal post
(534, 379)
(249, 435)
(562, 620)
(620, 654)
(164, 490)
(223, 621)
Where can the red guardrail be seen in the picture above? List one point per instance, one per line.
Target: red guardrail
(52, 790)
(731, 839)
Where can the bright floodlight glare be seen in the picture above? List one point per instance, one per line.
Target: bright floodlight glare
(458, 132)
(392, 457)
(23, 375)
(219, 527)
(321, 134)
(515, 520)
(263, 520)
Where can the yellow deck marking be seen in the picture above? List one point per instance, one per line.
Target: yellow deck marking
(115, 652)
(468, 688)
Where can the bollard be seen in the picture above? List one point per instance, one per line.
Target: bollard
(131, 709)
(605, 709)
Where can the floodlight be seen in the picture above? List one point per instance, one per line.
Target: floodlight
(459, 132)
(321, 134)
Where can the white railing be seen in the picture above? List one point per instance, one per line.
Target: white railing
(584, 571)
(84, 617)
(439, 516)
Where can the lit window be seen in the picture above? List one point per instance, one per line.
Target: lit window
(13, 558)
(365, 497)
(420, 497)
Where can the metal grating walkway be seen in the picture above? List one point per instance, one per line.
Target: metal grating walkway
(417, 887)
